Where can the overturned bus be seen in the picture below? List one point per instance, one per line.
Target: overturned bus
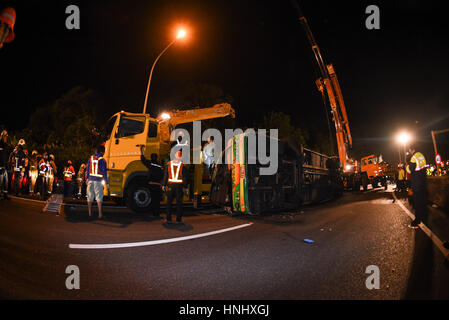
(302, 177)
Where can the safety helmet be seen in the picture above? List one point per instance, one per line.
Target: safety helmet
(8, 16)
(34, 152)
(21, 142)
(69, 162)
(52, 157)
(83, 165)
(4, 133)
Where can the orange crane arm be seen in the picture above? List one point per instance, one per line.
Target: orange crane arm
(330, 82)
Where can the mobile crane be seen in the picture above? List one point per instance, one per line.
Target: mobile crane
(128, 177)
(354, 174)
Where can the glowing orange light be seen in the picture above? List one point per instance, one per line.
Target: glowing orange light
(181, 34)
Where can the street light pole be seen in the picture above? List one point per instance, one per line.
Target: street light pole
(151, 73)
(181, 34)
(434, 133)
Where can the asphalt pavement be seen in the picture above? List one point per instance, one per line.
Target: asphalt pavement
(263, 257)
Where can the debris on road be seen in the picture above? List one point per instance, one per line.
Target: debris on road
(54, 204)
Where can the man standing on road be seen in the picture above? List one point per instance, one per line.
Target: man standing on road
(4, 164)
(155, 173)
(81, 181)
(52, 170)
(401, 178)
(418, 167)
(69, 172)
(173, 183)
(18, 160)
(33, 172)
(96, 177)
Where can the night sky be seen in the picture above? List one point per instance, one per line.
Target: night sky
(392, 78)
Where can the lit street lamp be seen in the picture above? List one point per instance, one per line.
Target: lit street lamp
(403, 138)
(181, 34)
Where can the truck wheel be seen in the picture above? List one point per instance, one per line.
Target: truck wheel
(139, 198)
(365, 181)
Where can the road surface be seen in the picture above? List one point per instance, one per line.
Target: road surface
(264, 257)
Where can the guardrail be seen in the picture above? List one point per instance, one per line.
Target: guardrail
(438, 191)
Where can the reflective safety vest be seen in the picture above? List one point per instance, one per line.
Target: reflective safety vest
(420, 161)
(401, 174)
(94, 167)
(175, 171)
(69, 172)
(43, 167)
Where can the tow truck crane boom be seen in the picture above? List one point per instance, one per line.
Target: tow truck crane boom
(176, 117)
(329, 81)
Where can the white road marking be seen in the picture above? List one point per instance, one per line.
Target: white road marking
(26, 199)
(154, 242)
(426, 230)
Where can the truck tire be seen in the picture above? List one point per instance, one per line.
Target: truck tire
(365, 181)
(385, 183)
(139, 198)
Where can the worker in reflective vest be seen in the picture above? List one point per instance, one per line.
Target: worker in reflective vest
(42, 179)
(52, 169)
(96, 177)
(401, 178)
(173, 183)
(33, 170)
(417, 167)
(69, 172)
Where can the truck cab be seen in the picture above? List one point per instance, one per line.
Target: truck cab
(373, 171)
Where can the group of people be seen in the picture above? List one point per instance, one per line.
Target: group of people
(412, 178)
(35, 173)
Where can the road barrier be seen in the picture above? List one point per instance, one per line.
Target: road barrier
(438, 191)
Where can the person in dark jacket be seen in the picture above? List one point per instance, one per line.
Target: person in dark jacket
(19, 161)
(418, 181)
(155, 174)
(4, 165)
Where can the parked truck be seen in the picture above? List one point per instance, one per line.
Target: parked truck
(129, 181)
(372, 170)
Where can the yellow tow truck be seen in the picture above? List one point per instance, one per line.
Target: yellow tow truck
(129, 181)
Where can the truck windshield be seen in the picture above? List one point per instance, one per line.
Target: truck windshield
(109, 127)
(129, 127)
